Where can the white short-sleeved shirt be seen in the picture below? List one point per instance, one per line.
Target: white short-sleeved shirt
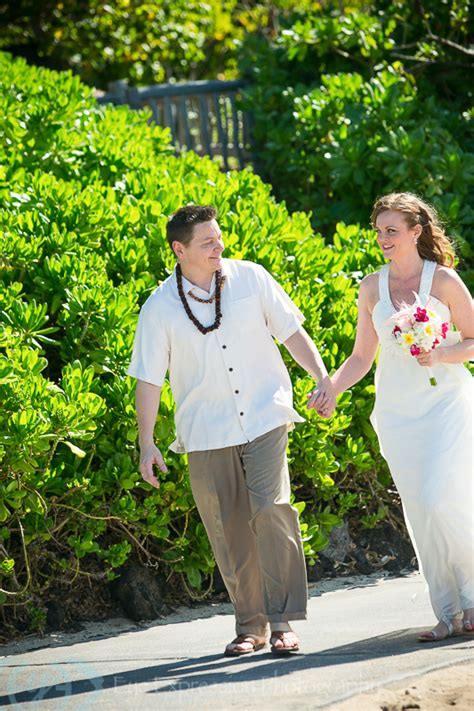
(230, 385)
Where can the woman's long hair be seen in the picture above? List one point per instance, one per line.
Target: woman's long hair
(433, 243)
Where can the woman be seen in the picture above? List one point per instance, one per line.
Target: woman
(425, 432)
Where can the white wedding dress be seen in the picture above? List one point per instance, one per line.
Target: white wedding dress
(426, 436)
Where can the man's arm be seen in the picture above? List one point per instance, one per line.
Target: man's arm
(304, 352)
(147, 401)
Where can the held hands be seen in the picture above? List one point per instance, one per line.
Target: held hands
(148, 457)
(322, 398)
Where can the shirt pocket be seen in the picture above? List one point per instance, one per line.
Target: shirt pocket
(246, 314)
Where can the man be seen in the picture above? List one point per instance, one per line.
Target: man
(212, 324)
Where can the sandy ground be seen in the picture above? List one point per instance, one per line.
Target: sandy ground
(447, 688)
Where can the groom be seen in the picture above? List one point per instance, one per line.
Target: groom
(212, 325)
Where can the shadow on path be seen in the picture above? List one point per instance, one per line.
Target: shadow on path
(90, 631)
(187, 673)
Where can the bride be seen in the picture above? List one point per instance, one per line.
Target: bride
(425, 432)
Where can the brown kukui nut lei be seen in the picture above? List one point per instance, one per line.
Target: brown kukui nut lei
(187, 308)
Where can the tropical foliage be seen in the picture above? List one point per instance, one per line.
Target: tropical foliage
(145, 41)
(84, 202)
(350, 99)
(348, 105)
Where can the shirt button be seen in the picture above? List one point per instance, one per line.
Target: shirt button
(241, 413)
(236, 392)
(231, 369)
(224, 346)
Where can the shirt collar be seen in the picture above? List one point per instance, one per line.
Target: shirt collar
(202, 293)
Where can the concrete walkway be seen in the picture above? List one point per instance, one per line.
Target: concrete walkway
(358, 637)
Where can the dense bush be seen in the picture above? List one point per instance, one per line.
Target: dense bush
(431, 39)
(348, 138)
(145, 41)
(350, 105)
(85, 192)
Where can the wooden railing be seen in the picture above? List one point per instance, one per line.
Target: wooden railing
(203, 116)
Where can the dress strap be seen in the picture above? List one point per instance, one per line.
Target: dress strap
(426, 282)
(384, 290)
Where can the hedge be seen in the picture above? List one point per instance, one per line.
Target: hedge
(85, 192)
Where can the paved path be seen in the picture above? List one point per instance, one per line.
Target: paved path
(356, 638)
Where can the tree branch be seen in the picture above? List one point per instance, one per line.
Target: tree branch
(453, 45)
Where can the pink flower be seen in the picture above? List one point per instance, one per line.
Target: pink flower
(396, 330)
(415, 350)
(403, 318)
(435, 343)
(421, 316)
(444, 329)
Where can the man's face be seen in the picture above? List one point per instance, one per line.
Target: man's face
(203, 252)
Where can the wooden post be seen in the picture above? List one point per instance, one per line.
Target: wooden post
(220, 131)
(203, 116)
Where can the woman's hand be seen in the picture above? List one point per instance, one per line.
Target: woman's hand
(429, 358)
(322, 398)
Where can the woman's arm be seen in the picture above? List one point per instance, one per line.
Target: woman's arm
(366, 342)
(455, 294)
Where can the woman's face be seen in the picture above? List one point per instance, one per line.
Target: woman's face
(394, 235)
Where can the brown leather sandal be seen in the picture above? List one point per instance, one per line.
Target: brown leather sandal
(240, 639)
(276, 634)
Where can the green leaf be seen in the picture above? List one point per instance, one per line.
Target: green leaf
(194, 577)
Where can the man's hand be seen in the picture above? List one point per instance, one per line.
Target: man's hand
(304, 352)
(148, 457)
(322, 398)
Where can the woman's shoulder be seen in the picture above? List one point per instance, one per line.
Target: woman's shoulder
(370, 282)
(448, 285)
(447, 277)
(445, 273)
(369, 289)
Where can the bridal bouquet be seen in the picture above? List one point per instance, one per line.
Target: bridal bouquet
(419, 328)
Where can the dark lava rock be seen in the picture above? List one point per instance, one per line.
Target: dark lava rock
(317, 571)
(218, 585)
(55, 615)
(339, 544)
(138, 591)
(384, 539)
(336, 551)
(362, 565)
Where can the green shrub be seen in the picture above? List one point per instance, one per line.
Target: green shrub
(431, 39)
(84, 198)
(349, 139)
(338, 122)
(146, 42)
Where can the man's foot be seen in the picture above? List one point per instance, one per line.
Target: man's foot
(468, 619)
(284, 642)
(444, 629)
(244, 644)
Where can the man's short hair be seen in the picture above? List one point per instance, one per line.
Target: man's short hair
(180, 225)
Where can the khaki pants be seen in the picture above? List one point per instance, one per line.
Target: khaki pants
(242, 494)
